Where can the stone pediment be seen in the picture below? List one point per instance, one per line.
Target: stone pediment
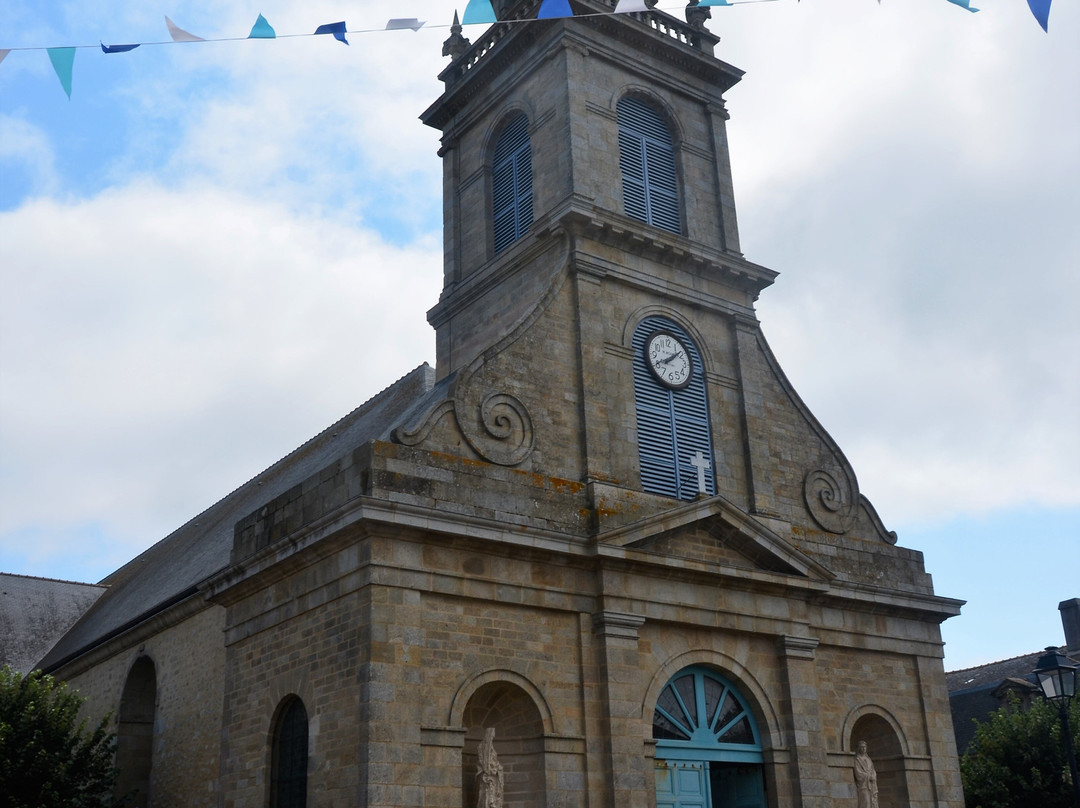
(713, 531)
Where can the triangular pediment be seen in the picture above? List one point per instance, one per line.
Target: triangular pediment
(713, 531)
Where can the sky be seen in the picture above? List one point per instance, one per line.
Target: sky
(214, 250)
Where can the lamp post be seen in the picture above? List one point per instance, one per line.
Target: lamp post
(1057, 681)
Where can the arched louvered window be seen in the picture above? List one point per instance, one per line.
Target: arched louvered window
(647, 162)
(511, 183)
(289, 756)
(674, 440)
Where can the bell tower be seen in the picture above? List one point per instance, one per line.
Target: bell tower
(588, 208)
(623, 119)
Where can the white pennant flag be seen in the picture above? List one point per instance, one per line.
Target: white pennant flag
(625, 6)
(179, 34)
(401, 23)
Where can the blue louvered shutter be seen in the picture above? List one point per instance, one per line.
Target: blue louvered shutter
(511, 183)
(647, 163)
(672, 425)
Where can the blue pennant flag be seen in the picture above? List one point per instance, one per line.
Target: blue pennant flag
(118, 48)
(63, 60)
(550, 9)
(478, 11)
(262, 30)
(1041, 10)
(335, 28)
(965, 4)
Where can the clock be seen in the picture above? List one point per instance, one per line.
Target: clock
(668, 359)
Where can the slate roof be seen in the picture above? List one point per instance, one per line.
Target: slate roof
(972, 691)
(171, 570)
(35, 612)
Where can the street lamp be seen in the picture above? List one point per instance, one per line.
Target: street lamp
(1057, 680)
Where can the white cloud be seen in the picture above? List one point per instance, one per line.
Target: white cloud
(170, 344)
(26, 155)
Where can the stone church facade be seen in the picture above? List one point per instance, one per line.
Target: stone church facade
(604, 525)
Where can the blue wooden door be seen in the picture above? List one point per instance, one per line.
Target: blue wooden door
(682, 784)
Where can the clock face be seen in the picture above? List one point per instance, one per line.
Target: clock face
(668, 359)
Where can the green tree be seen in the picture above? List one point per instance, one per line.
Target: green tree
(1018, 758)
(48, 758)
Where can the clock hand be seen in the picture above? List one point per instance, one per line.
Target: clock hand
(666, 361)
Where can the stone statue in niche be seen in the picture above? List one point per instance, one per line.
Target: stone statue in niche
(865, 779)
(489, 774)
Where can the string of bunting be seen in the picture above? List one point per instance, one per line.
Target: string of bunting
(477, 12)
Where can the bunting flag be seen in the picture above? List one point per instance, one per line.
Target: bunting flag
(179, 34)
(335, 28)
(262, 30)
(551, 9)
(410, 22)
(117, 48)
(1041, 10)
(478, 11)
(63, 60)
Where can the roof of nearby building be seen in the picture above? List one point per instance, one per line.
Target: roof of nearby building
(991, 674)
(974, 692)
(172, 569)
(35, 613)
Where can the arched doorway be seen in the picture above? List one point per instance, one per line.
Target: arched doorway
(519, 744)
(708, 749)
(135, 733)
(885, 750)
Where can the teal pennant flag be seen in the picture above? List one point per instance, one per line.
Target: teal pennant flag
(63, 60)
(262, 30)
(478, 11)
(1041, 10)
(719, 2)
(550, 9)
(965, 4)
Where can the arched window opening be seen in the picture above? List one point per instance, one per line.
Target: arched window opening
(518, 741)
(647, 162)
(708, 749)
(289, 756)
(511, 183)
(135, 733)
(885, 751)
(674, 437)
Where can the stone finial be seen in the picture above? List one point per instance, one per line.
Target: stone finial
(455, 44)
(697, 14)
(489, 774)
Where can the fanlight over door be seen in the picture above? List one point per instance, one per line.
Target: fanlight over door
(708, 750)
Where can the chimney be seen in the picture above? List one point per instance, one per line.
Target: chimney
(1070, 621)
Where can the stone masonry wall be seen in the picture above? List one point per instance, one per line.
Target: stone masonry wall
(189, 662)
